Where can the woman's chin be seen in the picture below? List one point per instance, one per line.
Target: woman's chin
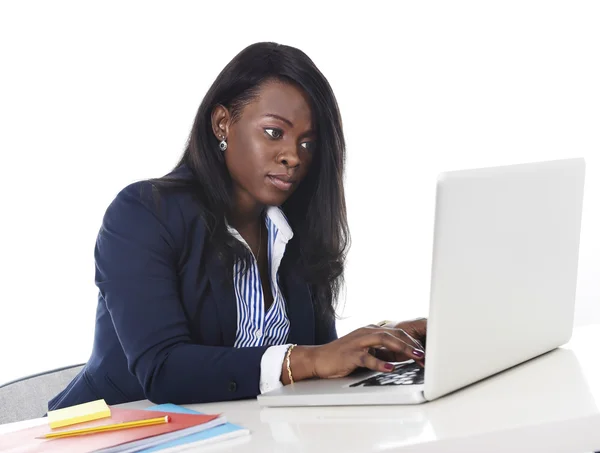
(273, 198)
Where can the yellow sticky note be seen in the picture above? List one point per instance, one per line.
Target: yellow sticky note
(68, 416)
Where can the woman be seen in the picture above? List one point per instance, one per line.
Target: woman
(210, 276)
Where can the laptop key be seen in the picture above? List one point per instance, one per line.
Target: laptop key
(403, 374)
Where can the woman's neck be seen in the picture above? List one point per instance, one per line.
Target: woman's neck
(246, 212)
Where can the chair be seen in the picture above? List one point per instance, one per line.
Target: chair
(28, 397)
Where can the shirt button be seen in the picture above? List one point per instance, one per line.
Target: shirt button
(232, 386)
(258, 333)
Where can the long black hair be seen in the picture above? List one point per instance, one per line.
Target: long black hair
(317, 210)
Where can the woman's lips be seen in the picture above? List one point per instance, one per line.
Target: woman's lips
(282, 183)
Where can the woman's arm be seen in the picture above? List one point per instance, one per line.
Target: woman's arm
(136, 272)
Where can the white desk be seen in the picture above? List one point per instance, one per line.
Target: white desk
(550, 404)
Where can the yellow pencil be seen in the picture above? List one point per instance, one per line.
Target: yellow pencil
(114, 427)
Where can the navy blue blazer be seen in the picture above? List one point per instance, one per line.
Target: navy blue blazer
(166, 317)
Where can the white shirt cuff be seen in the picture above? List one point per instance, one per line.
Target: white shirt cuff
(270, 368)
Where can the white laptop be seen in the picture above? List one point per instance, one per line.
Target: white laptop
(503, 283)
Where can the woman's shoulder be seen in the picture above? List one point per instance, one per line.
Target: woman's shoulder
(168, 191)
(168, 201)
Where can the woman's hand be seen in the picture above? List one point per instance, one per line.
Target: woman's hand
(416, 330)
(340, 357)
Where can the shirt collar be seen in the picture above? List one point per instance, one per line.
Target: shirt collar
(280, 221)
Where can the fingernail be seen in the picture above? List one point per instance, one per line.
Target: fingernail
(418, 353)
(388, 366)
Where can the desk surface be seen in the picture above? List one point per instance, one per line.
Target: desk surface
(549, 404)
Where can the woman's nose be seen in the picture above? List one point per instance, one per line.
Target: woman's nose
(289, 157)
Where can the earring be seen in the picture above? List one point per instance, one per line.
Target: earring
(223, 144)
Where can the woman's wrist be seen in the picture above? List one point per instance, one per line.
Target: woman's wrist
(301, 364)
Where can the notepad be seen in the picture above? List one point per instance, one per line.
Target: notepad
(94, 410)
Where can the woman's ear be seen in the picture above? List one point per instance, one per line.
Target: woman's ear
(220, 119)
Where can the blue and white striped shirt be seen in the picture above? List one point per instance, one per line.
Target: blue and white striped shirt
(255, 326)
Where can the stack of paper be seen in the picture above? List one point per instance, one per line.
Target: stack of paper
(124, 440)
(219, 433)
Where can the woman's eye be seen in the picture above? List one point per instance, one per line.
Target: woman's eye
(274, 133)
(310, 146)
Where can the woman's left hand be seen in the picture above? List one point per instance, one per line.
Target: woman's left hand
(415, 331)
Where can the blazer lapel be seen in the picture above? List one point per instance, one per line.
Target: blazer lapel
(224, 298)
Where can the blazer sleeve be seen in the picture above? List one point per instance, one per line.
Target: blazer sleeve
(136, 272)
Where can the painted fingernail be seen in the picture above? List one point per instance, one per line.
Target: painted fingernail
(418, 353)
(388, 366)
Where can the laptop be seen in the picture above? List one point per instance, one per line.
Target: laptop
(503, 284)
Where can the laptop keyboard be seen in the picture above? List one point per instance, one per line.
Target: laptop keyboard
(404, 374)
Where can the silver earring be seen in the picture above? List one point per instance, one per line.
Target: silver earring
(223, 145)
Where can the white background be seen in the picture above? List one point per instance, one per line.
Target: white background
(95, 95)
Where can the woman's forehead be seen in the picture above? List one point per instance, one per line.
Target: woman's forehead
(284, 100)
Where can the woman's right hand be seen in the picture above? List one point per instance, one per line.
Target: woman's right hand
(342, 356)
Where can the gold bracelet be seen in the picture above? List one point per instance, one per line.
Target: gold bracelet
(287, 361)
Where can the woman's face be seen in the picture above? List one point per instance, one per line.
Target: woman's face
(270, 146)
